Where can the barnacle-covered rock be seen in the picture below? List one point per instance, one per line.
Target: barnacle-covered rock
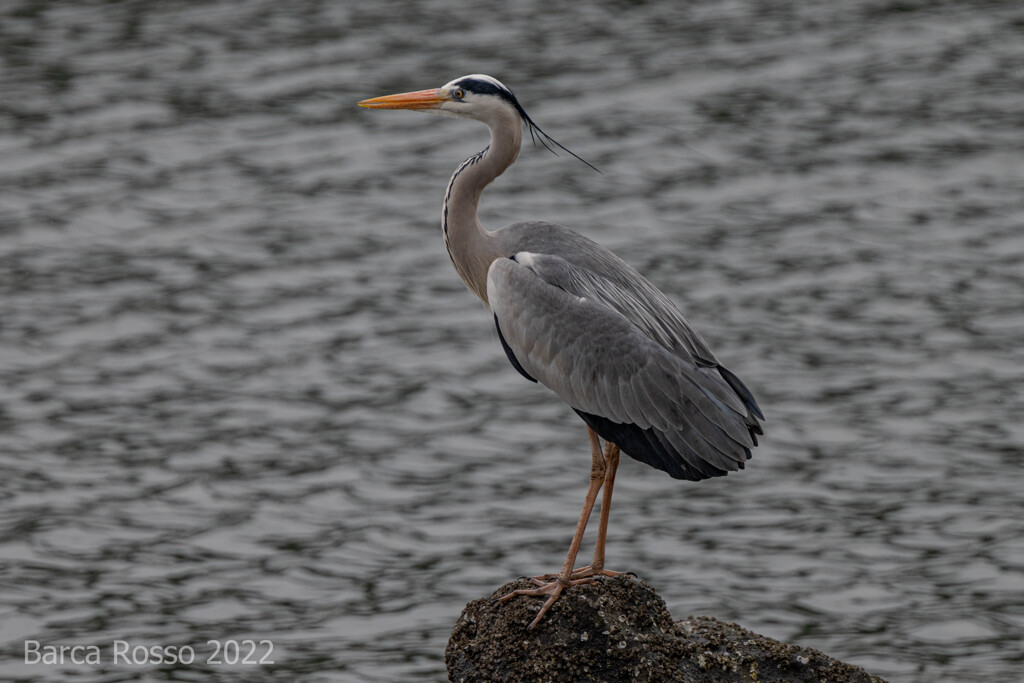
(619, 630)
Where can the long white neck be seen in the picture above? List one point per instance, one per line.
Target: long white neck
(471, 247)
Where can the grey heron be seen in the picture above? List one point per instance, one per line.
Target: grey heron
(573, 316)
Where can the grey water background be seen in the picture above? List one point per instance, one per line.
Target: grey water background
(244, 395)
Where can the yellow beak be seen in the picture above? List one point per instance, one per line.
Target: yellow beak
(421, 99)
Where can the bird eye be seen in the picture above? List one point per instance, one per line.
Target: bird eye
(458, 93)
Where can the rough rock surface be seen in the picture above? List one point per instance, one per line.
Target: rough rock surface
(620, 630)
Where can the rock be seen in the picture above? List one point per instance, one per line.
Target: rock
(620, 630)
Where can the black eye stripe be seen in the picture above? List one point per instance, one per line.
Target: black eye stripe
(481, 87)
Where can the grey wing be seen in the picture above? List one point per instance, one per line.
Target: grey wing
(629, 294)
(657, 404)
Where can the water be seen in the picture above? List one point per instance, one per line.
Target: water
(246, 397)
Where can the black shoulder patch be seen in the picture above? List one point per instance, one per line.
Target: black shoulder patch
(511, 355)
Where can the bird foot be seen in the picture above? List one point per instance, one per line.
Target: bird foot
(551, 589)
(581, 573)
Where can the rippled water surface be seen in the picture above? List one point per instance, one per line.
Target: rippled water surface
(245, 395)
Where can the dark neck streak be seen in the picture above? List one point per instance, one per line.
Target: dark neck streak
(472, 248)
(447, 199)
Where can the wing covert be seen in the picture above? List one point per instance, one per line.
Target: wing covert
(611, 368)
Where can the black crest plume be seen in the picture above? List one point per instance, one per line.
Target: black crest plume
(537, 134)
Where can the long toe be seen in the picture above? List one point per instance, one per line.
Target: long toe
(590, 572)
(551, 590)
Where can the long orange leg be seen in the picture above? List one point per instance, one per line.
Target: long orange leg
(596, 568)
(554, 587)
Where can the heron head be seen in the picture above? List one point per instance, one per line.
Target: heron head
(476, 96)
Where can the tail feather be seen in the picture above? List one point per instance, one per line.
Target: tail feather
(740, 388)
